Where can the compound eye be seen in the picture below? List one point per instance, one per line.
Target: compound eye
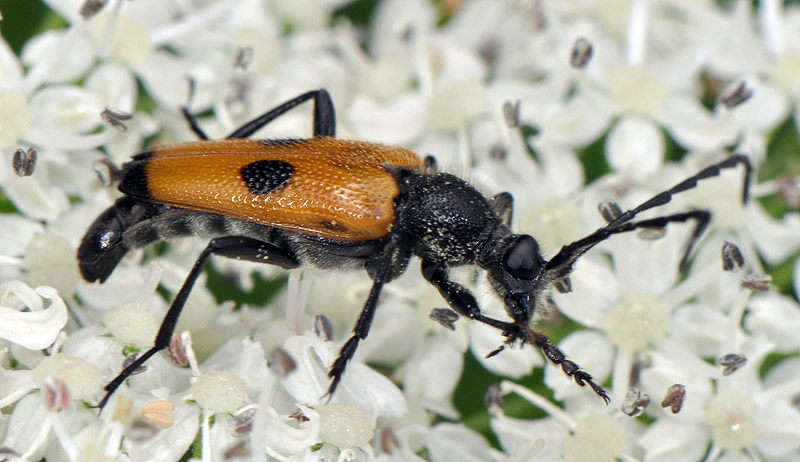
(522, 259)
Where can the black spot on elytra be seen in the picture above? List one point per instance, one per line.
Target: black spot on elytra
(266, 176)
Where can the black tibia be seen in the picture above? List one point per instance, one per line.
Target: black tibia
(361, 329)
(240, 248)
(460, 299)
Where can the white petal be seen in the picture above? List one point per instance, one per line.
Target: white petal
(114, 85)
(221, 437)
(635, 147)
(645, 265)
(124, 284)
(456, 443)
(302, 13)
(513, 432)
(15, 233)
(744, 49)
(774, 239)
(562, 170)
(93, 345)
(25, 426)
(458, 64)
(285, 437)
(432, 375)
(695, 128)
(399, 121)
(395, 334)
(244, 358)
(538, 101)
(67, 108)
(668, 441)
(592, 351)
(62, 55)
(393, 19)
(163, 76)
(36, 198)
(680, 369)
(15, 119)
(782, 380)
(14, 384)
(67, 9)
(478, 22)
(10, 69)
(372, 392)
(361, 386)
(170, 444)
(60, 139)
(595, 288)
(777, 431)
(385, 79)
(35, 329)
(777, 317)
(768, 106)
(699, 328)
(308, 382)
(755, 145)
(511, 362)
(457, 104)
(575, 124)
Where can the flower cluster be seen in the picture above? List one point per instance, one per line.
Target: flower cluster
(564, 104)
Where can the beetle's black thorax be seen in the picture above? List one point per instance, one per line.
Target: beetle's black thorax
(446, 219)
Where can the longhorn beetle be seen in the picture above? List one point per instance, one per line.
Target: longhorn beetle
(338, 204)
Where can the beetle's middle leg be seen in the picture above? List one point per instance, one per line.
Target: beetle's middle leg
(383, 274)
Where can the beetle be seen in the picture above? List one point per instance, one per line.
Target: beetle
(338, 204)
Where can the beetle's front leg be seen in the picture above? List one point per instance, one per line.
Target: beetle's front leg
(570, 368)
(461, 299)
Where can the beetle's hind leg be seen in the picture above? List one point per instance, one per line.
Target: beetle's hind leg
(240, 248)
(324, 117)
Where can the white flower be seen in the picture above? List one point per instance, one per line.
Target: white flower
(648, 86)
(763, 50)
(37, 328)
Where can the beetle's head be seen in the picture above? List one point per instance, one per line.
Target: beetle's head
(517, 272)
